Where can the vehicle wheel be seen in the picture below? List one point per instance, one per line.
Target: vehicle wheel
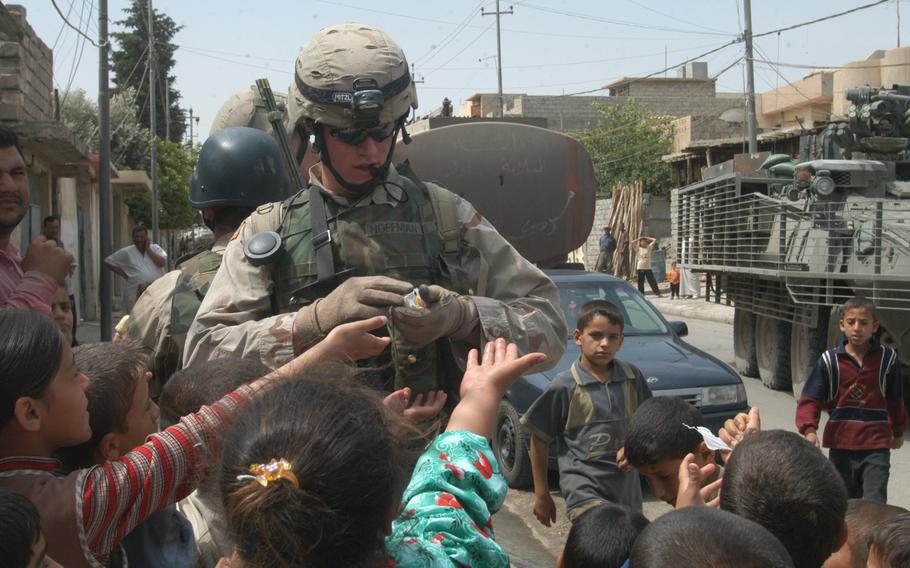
(744, 343)
(512, 446)
(807, 343)
(772, 347)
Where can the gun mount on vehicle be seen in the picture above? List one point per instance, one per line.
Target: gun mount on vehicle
(793, 241)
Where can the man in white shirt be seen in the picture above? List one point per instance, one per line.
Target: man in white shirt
(140, 263)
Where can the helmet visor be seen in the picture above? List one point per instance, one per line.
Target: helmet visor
(357, 136)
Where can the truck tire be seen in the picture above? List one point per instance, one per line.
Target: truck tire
(744, 343)
(772, 346)
(807, 343)
(512, 447)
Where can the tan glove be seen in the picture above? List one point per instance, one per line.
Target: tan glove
(355, 299)
(447, 315)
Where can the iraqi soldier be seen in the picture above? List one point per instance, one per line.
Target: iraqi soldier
(365, 233)
(238, 169)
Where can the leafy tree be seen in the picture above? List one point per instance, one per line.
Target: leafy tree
(129, 62)
(129, 140)
(175, 169)
(626, 145)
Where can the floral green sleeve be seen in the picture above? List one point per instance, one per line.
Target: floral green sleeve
(448, 505)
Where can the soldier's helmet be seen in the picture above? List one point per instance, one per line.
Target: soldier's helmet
(350, 76)
(240, 167)
(246, 108)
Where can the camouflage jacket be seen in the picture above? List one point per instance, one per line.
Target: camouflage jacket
(514, 298)
(161, 317)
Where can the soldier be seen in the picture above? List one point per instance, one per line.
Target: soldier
(238, 169)
(365, 234)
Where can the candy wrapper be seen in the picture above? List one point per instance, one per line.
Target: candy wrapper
(413, 300)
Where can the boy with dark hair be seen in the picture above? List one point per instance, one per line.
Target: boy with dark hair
(889, 546)
(602, 537)
(783, 483)
(859, 383)
(863, 517)
(586, 411)
(657, 441)
(23, 544)
(698, 537)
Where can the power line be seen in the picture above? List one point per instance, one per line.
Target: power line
(434, 51)
(462, 50)
(675, 18)
(827, 67)
(67, 22)
(822, 19)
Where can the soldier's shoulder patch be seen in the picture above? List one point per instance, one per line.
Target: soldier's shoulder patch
(237, 232)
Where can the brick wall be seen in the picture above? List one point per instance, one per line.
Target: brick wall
(26, 69)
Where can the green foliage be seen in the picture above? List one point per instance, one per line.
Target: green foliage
(129, 61)
(129, 140)
(626, 145)
(175, 169)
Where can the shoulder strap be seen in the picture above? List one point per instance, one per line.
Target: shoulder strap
(266, 217)
(445, 207)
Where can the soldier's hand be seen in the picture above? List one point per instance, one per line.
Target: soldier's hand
(46, 257)
(447, 315)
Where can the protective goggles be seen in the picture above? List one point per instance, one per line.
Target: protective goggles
(357, 136)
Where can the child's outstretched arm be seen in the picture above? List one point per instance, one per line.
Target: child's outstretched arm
(120, 494)
(484, 384)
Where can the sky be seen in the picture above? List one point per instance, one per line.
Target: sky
(549, 47)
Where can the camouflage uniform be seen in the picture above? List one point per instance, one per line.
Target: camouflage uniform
(514, 298)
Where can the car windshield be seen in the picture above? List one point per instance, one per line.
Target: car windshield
(640, 317)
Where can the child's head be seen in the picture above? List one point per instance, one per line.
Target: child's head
(889, 546)
(863, 517)
(696, 537)
(673, 265)
(858, 323)
(121, 412)
(602, 537)
(205, 383)
(42, 393)
(344, 450)
(783, 483)
(23, 544)
(657, 442)
(62, 311)
(599, 332)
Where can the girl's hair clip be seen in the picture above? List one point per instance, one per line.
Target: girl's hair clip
(272, 471)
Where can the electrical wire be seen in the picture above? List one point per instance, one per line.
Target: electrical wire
(822, 19)
(449, 38)
(674, 18)
(77, 30)
(462, 50)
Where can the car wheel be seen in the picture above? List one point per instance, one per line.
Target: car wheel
(807, 343)
(511, 446)
(744, 343)
(772, 346)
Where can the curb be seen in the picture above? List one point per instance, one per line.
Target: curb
(700, 310)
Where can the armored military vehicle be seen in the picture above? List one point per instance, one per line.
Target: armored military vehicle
(792, 241)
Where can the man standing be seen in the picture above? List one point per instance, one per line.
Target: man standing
(30, 283)
(51, 231)
(365, 234)
(643, 264)
(140, 264)
(607, 248)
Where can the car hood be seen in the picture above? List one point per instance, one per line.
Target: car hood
(665, 361)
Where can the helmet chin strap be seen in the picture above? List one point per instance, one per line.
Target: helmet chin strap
(378, 175)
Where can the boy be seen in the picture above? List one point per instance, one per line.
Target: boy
(859, 383)
(863, 517)
(889, 546)
(673, 278)
(602, 537)
(698, 537)
(122, 415)
(585, 411)
(780, 481)
(657, 441)
(22, 545)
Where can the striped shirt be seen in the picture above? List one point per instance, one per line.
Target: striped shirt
(113, 498)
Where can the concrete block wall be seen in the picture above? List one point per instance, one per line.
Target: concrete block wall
(657, 223)
(26, 69)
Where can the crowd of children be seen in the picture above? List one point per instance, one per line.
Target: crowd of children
(240, 477)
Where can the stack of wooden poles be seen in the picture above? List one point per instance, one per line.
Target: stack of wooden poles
(626, 209)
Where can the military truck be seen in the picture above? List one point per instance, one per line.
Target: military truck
(792, 241)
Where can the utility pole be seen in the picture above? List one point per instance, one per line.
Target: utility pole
(167, 111)
(192, 118)
(104, 175)
(153, 62)
(416, 82)
(497, 13)
(898, 4)
(751, 133)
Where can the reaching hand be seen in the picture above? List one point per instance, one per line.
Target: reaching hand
(813, 438)
(353, 341)
(692, 491)
(419, 409)
(622, 463)
(485, 382)
(738, 427)
(46, 257)
(545, 509)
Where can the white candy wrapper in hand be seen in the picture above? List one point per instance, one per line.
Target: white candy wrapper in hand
(413, 300)
(713, 442)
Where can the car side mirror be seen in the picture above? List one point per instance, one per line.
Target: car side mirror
(680, 328)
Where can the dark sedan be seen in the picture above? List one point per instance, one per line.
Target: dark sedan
(671, 366)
